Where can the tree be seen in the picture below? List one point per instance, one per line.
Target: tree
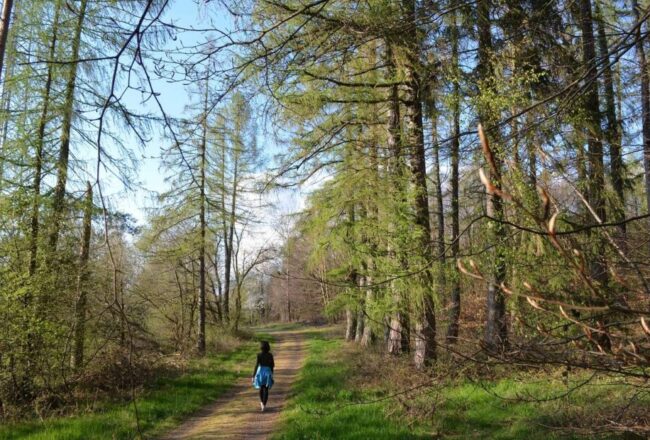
(5, 21)
(66, 129)
(82, 284)
(496, 331)
(645, 98)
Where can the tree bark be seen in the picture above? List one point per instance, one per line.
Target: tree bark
(229, 229)
(368, 336)
(398, 326)
(613, 133)
(58, 204)
(200, 345)
(645, 101)
(82, 281)
(454, 306)
(439, 252)
(596, 170)
(358, 334)
(288, 294)
(425, 327)
(5, 20)
(350, 324)
(496, 330)
(38, 154)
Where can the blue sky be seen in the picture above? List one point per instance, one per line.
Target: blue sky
(174, 97)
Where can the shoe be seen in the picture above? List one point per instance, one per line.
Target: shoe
(262, 406)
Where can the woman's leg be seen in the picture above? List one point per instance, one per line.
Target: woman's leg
(262, 393)
(265, 397)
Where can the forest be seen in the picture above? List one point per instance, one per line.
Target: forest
(461, 189)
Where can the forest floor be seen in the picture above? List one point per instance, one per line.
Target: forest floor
(237, 414)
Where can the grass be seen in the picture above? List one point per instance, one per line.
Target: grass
(323, 407)
(163, 406)
(479, 411)
(329, 402)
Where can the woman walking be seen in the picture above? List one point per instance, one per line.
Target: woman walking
(263, 372)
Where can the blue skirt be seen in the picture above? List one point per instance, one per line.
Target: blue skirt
(263, 377)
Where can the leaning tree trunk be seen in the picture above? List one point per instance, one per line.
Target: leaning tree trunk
(58, 204)
(82, 284)
(454, 306)
(496, 330)
(7, 6)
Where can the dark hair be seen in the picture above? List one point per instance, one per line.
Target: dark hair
(265, 346)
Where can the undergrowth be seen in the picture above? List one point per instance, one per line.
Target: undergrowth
(161, 405)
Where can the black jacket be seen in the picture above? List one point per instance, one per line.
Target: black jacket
(264, 360)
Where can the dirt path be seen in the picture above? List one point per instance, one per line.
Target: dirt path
(237, 415)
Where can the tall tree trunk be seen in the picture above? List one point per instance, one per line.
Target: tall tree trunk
(358, 334)
(350, 324)
(38, 154)
(398, 327)
(229, 239)
(368, 335)
(82, 281)
(6, 94)
(58, 205)
(200, 344)
(645, 100)
(425, 326)
(454, 306)
(613, 134)
(5, 20)
(439, 252)
(237, 306)
(354, 279)
(496, 330)
(596, 170)
(288, 294)
(373, 214)
(226, 248)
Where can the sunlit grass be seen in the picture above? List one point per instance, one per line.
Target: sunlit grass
(322, 406)
(164, 405)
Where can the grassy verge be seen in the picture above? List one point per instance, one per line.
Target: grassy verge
(164, 405)
(330, 402)
(323, 406)
(504, 409)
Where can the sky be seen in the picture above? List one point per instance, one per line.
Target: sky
(174, 97)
